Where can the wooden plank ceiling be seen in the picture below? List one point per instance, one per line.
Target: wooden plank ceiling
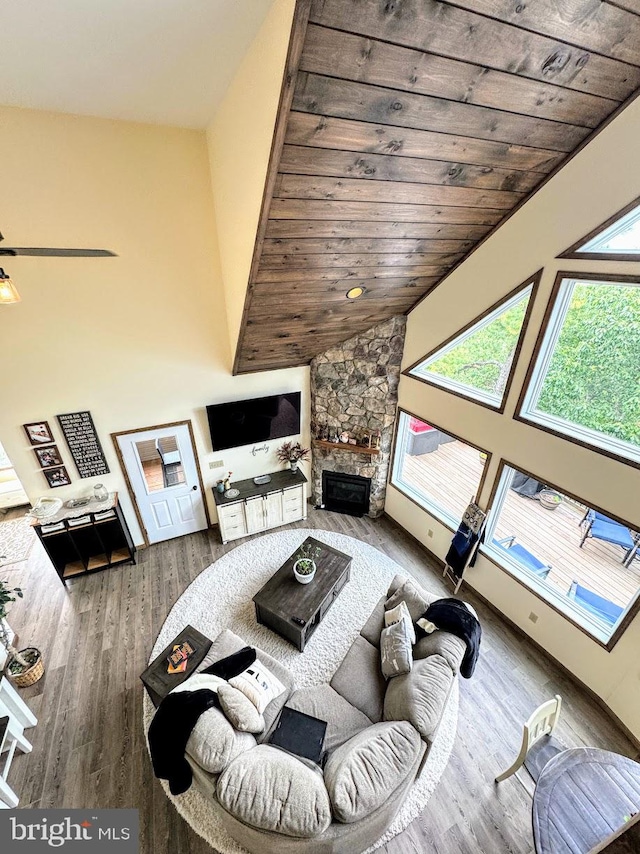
(407, 130)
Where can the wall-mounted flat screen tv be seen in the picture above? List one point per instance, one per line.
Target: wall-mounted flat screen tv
(246, 422)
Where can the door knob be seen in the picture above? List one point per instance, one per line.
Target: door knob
(194, 488)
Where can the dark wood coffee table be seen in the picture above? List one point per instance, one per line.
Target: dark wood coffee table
(283, 598)
(156, 679)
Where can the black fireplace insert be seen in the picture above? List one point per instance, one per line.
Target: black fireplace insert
(345, 493)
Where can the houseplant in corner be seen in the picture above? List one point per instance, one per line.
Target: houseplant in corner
(305, 566)
(24, 667)
(293, 454)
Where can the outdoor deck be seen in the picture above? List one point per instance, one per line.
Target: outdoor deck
(452, 473)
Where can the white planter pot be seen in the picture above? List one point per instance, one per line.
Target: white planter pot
(303, 579)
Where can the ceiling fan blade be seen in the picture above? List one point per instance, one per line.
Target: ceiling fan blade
(57, 253)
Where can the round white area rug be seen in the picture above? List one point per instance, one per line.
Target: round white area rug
(221, 597)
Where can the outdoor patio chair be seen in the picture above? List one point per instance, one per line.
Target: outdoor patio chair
(600, 527)
(602, 608)
(523, 556)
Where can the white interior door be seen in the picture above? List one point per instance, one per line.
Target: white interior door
(163, 473)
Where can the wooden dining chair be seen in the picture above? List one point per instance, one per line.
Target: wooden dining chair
(541, 723)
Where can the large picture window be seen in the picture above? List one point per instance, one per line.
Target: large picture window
(579, 559)
(584, 383)
(438, 471)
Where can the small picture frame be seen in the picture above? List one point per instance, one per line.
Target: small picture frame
(39, 433)
(48, 457)
(57, 476)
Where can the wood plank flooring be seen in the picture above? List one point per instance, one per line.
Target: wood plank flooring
(97, 634)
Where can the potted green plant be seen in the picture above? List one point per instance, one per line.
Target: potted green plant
(305, 566)
(26, 666)
(293, 454)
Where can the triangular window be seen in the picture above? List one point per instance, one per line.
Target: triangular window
(478, 362)
(616, 239)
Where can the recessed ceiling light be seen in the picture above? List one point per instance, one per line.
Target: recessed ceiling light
(355, 293)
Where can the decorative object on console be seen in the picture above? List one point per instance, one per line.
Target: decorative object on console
(25, 667)
(57, 476)
(39, 433)
(232, 493)
(220, 486)
(48, 457)
(45, 507)
(262, 479)
(72, 503)
(293, 454)
(305, 566)
(100, 492)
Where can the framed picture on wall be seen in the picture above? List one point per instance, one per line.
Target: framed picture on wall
(48, 457)
(39, 433)
(57, 476)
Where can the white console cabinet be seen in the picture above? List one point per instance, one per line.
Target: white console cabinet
(262, 507)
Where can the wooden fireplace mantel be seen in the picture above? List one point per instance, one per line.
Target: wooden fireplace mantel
(344, 446)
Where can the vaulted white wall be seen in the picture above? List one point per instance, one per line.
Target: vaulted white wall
(600, 180)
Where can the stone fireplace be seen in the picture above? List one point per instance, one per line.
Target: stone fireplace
(354, 387)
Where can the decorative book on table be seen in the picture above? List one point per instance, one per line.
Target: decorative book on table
(179, 657)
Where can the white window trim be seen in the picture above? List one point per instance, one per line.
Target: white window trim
(587, 435)
(455, 386)
(601, 243)
(427, 503)
(546, 591)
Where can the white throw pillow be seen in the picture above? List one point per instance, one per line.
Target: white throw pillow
(400, 612)
(258, 684)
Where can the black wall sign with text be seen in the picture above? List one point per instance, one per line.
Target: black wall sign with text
(83, 442)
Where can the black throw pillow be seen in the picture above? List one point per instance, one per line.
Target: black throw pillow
(233, 664)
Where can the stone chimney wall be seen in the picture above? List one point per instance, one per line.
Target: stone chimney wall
(354, 387)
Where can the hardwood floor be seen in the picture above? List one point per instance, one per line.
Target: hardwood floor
(96, 635)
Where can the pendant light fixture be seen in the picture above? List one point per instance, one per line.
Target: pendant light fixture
(8, 291)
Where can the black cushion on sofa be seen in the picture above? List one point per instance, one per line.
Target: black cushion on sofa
(233, 664)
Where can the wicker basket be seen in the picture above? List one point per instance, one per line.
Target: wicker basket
(30, 676)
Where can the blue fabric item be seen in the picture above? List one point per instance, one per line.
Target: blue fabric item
(603, 528)
(463, 543)
(530, 561)
(607, 611)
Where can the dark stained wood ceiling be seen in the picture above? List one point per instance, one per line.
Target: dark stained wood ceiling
(407, 130)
